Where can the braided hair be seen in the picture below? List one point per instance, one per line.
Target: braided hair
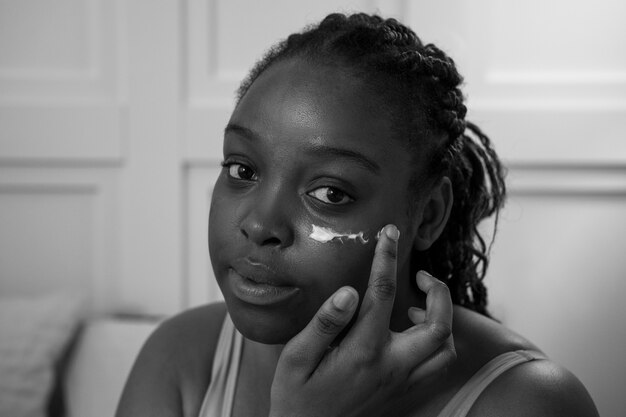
(418, 87)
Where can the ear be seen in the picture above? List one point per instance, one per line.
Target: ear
(435, 214)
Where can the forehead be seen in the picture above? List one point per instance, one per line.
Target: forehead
(293, 102)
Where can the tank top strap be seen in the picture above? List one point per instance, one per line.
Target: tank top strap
(218, 401)
(464, 399)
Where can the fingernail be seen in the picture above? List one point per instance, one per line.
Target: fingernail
(343, 300)
(421, 271)
(416, 314)
(392, 232)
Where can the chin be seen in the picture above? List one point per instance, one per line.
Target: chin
(267, 327)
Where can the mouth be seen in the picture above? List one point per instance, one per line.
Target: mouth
(257, 284)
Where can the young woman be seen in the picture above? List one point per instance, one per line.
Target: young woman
(349, 168)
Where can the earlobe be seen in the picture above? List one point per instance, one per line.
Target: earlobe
(435, 214)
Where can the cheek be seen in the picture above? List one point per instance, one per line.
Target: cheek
(323, 268)
(221, 224)
(332, 265)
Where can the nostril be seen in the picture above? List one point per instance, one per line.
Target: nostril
(261, 237)
(264, 233)
(273, 241)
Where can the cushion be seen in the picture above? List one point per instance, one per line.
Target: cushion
(34, 333)
(100, 364)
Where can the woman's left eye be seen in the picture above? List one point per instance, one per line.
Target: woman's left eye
(330, 195)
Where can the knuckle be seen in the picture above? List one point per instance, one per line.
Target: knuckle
(295, 359)
(328, 324)
(389, 253)
(446, 354)
(367, 356)
(441, 288)
(450, 355)
(384, 287)
(446, 357)
(439, 331)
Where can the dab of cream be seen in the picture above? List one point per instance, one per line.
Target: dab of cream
(325, 234)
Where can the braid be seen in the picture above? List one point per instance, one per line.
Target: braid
(398, 34)
(419, 87)
(479, 190)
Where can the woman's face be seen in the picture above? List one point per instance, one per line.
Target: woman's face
(306, 146)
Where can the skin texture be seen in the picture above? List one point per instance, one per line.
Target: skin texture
(274, 142)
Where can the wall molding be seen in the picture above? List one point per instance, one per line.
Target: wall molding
(95, 187)
(97, 78)
(199, 285)
(563, 181)
(75, 113)
(63, 132)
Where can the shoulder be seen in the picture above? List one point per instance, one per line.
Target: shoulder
(535, 388)
(478, 339)
(173, 368)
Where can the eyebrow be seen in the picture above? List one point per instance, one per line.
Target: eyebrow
(317, 149)
(356, 157)
(241, 131)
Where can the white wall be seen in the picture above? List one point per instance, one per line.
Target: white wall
(111, 115)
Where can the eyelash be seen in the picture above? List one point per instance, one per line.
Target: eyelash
(346, 198)
(229, 167)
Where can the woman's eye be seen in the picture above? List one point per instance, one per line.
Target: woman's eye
(240, 171)
(330, 195)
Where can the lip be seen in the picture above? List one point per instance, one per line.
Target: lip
(258, 272)
(256, 283)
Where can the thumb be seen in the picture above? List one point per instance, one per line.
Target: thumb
(306, 349)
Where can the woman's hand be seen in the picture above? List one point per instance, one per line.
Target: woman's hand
(372, 370)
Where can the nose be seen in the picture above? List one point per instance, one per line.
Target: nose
(267, 221)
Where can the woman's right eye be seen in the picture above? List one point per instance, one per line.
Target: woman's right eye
(240, 171)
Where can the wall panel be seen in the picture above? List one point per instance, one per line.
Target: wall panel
(201, 286)
(557, 274)
(548, 85)
(61, 92)
(56, 233)
(222, 43)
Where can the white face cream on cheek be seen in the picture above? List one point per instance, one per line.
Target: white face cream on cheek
(326, 234)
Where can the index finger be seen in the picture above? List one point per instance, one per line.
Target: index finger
(375, 312)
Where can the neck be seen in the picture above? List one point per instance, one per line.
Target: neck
(261, 352)
(261, 360)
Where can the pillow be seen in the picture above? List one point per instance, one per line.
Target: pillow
(101, 362)
(34, 332)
